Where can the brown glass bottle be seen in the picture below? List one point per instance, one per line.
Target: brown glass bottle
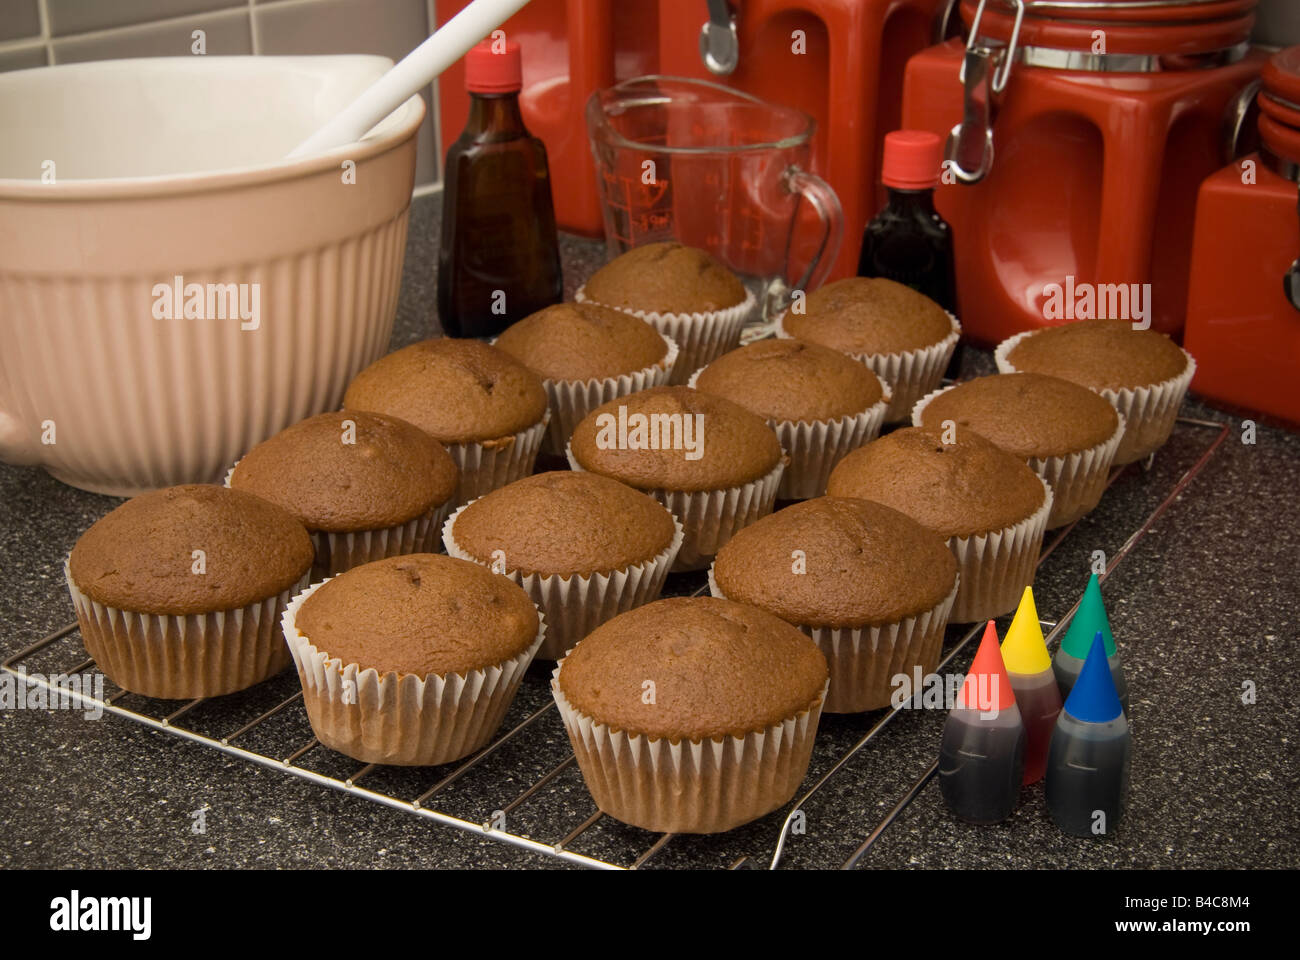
(499, 259)
(908, 241)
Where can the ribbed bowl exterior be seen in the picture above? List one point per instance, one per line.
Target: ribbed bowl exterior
(133, 402)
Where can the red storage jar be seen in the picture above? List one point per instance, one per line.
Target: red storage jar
(1105, 118)
(1243, 300)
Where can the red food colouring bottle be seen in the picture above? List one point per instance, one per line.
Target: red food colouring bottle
(982, 754)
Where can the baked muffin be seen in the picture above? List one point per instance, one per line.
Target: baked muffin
(179, 592)
(412, 660)
(365, 485)
(683, 292)
(482, 404)
(871, 586)
(1142, 372)
(714, 464)
(903, 335)
(1067, 433)
(692, 715)
(583, 546)
(987, 503)
(820, 402)
(587, 355)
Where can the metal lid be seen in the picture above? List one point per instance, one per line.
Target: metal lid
(1122, 27)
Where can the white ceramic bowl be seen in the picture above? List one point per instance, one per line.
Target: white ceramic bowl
(172, 167)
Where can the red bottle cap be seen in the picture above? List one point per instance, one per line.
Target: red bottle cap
(494, 66)
(987, 687)
(912, 161)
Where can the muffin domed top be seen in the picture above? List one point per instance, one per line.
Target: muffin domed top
(1100, 355)
(955, 489)
(349, 470)
(675, 438)
(1028, 414)
(718, 668)
(665, 278)
(456, 391)
(869, 316)
(792, 380)
(583, 341)
(837, 562)
(197, 548)
(423, 613)
(563, 523)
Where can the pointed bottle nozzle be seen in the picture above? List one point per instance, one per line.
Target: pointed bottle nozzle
(1093, 699)
(1088, 620)
(1024, 651)
(987, 687)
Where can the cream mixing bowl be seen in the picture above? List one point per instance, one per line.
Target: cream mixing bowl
(172, 290)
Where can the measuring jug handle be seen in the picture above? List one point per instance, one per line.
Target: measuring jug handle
(826, 203)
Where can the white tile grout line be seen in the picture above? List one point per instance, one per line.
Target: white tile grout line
(43, 11)
(254, 34)
(47, 40)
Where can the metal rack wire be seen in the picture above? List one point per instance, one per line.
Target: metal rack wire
(293, 750)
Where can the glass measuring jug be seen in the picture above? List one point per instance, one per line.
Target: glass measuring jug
(715, 168)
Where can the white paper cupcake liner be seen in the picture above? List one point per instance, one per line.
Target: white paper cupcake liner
(571, 400)
(815, 447)
(864, 660)
(701, 337)
(1077, 479)
(996, 567)
(338, 552)
(689, 787)
(710, 518)
(486, 466)
(910, 374)
(184, 656)
(401, 719)
(577, 604)
(1149, 411)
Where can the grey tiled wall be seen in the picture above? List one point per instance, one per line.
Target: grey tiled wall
(38, 32)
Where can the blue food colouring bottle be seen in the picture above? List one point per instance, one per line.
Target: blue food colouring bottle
(1088, 762)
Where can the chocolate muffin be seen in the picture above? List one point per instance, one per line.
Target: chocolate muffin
(583, 546)
(178, 592)
(820, 402)
(692, 715)
(1142, 372)
(365, 485)
(714, 464)
(587, 355)
(486, 407)
(683, 292)
(412, 660)
(987, 503)
(903, 335)
(1067, 433)
(870, 585)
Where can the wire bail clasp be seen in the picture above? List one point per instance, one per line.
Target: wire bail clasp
(985, 69)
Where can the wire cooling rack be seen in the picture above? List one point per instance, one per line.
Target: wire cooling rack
(524, 788)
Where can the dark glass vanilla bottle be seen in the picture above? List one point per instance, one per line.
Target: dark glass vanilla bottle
(499, 259)
(908, 241)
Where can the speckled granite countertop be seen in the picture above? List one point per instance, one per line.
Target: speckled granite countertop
(1207, 601)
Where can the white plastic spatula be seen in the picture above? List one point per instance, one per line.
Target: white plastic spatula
(416, 70)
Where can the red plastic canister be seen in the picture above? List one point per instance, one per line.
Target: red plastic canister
(1079, 133)
(1243, 300)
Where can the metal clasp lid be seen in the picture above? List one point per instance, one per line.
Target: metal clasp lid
(719, 44)
(985, 69)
